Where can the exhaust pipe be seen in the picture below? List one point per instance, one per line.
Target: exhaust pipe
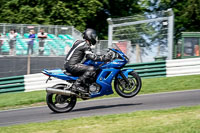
(58, 91)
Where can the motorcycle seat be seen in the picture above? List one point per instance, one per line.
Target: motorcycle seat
(67, 73)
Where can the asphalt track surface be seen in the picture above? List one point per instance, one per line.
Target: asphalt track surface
(103, 107)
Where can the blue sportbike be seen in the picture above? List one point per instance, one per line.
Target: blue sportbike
(127, 82)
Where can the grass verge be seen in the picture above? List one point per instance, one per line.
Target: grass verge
(179, 120)
(153, 85)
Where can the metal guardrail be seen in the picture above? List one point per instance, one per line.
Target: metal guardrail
(151, 69)
(12, 84)
(169, 68)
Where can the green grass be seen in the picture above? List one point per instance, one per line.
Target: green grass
(13, 100)
(179, 120)
(166, 84)
(153, 85)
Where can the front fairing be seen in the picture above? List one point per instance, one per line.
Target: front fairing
(121, 55)
(117, 63)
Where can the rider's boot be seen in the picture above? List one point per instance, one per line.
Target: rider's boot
(77, 87)
(82, 80)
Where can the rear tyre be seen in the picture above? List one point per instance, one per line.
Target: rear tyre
(126, 90)
(60, 103)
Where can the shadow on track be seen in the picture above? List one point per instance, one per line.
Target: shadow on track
(99, 107)
(104, 107)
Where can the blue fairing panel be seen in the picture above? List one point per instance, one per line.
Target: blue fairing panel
(126, 71)
(58, 73)
(104, 79)
(117, 63)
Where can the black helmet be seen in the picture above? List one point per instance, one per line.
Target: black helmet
(90, 35)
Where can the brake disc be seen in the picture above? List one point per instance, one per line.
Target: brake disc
(131, 85)
(61, 99)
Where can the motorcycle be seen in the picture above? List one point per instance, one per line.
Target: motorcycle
(127, 83)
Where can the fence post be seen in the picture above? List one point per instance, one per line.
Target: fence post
(4, 29)
(56, 30)
(110, 29)
(21, 29)
(170, 33)
(28, 64)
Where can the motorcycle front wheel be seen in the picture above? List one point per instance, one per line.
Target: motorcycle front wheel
(60, 103)
(128, 90)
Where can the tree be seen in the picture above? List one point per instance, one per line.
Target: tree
(78, 13)
(112, 9)
(23, 11)
(57, 12)
(187, 13)
(74, 13)
(190, 16)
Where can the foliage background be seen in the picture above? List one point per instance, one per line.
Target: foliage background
(93, 13)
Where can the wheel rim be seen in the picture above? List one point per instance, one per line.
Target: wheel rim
(60, 101)
(130, 88)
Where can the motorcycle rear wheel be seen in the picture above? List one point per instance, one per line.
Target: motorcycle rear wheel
(125, 90)
(60, 103)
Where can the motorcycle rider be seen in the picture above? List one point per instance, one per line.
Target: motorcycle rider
(80, 50)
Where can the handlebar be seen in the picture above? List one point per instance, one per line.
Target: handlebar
(118, 55)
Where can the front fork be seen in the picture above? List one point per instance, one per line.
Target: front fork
(124, 77)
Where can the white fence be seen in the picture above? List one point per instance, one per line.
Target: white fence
(35, 82)
(182, 67)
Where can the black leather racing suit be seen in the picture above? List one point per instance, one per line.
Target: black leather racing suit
(73, 61)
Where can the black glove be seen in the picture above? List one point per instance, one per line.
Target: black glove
(108, 57)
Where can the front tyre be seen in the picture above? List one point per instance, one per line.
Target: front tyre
(60, 103)
(126, 90)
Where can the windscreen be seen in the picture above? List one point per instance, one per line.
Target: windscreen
(116, 47)
(102, 47)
